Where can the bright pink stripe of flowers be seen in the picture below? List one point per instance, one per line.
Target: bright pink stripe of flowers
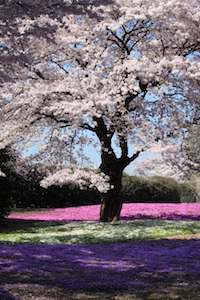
(129, 211)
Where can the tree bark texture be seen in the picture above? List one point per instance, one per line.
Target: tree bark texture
(111, 207)
(111, 202)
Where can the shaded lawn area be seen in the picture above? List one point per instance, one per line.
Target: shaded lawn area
(11, 225)
(156, 269)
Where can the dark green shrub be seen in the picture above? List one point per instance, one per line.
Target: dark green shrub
(164, 189)
(87, 196)
(31, 195)
(187, 193)
(155, 189)
(131, 187)
(5, 197)
(70, 196)
(135, 189)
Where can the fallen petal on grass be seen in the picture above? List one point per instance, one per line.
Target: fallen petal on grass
(91, 232)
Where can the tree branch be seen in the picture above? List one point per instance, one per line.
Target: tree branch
(60, 66)
(124, 148)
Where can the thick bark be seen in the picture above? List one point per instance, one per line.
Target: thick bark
(111, 207)
(111, 201)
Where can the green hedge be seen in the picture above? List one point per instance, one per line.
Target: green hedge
(32, 195)
(70, 196)
(5, 197)
(187, 192)
(154, 189)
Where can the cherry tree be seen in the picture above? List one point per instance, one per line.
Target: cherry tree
(179, 160)
(108, 74)
(157, 165)
(190, 149)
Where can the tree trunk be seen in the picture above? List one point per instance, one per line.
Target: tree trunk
(113, 168)
(111, 202)
(111, 207)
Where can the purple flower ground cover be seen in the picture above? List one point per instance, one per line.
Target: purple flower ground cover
(158, 269)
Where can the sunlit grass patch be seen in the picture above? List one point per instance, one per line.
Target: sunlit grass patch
(92, 232)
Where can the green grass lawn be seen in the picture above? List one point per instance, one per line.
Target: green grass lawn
(91, 232)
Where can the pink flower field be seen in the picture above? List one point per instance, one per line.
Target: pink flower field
(130, 211)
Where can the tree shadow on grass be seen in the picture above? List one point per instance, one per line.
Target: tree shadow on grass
(9, 225)
(164, 267)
